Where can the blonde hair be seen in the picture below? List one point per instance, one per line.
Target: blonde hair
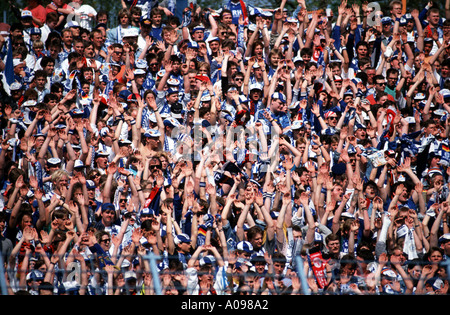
(38, 44)
(57, 175)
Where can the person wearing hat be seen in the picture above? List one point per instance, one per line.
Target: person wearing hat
(79, 168)
(33, 280)
(255, 96)
(16, 90)
(137, 79)
(198, 33)
(50, 167)
(38, 12)
(206, 279)
(182, 248)
(387, 28)
(166, 99)
(256, 73)
(101, 158)
(244, 251)
(152, 141)
(213, 45)
(329, 122)
(107, 222)
(129, 38)
(35, 35)
(20, 76)
(274, 116)
(170, 134)
(232, 103)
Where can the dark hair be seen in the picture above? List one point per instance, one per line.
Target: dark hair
(253, 231)
(46, 60)
(40, 74)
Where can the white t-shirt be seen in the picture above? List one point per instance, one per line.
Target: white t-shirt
(86, 21)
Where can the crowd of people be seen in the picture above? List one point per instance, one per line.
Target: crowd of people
(235, 150)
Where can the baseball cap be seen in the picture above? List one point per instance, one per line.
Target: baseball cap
(26, 14)
(152, 133)
(280, 96)
(182, 238)
(54, 161)
(79, 164)
(245, 246)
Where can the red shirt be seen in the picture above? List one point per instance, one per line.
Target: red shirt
(39, 12)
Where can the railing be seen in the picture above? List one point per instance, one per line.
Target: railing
(157, 287)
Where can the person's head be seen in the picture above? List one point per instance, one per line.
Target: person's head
(435, 255)
(183, 243)
(238, 79)
(226, 17)
(156, 15)
(206, 274)
(333, 244)
(360, 132)
(364, 256)
(348, 266)
(59, 217)
(429, 127)
(275, 56)
(362, 49)
(135, 13)
(124, 17)
(46, 288)
(103, 239)
(97, 38)
(48, 65)
(88, 49)
(370, 189)
(102, 17)
(278, 102)
(67, 37)
(108, 214)
(428, 46)
(306, 54)
(244, 250)
(214, 45)
(444, 244)
(433, 17)
(197, 32)
(395, 8)
(256, 92)
(258, 49)
(392, 77)
(414, 269)
(380, 83)
(255, 236)
(34, 279)
(40, 79)
(279, 263)
(331, 118)
(78, 46)
(60, 179)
